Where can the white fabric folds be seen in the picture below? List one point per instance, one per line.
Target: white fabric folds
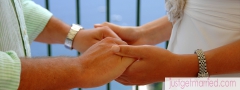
(174, 9)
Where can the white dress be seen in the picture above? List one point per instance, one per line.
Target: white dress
(203, 24)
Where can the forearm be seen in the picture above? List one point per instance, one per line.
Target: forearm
(222, 60)
(48, 73)
(54, 32)
(157, 31)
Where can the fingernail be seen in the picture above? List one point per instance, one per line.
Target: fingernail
(115, 48)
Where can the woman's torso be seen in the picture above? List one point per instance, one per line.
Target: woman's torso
(206, 24)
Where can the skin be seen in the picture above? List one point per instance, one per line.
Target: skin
(149, 34)
(54, 33)
(157, 63)
(97, 66)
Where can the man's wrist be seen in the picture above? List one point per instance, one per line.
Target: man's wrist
(82, 77)
(71, 35)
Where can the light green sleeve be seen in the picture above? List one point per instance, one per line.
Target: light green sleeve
(10, 69)
(36, 18)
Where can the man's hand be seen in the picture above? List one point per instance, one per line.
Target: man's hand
(99, 65)
(56, 32)
(132, 35)
(86, 38)
(153, 64)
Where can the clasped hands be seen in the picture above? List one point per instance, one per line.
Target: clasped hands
(111, 52)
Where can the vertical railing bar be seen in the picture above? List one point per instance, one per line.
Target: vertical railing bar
(47, 4)
(78, 19)
(48, 46)
(138, 13)
(108, 10)
(78, 15)
(138, 21)
(77, 11)
(108, 20)
(167, 42)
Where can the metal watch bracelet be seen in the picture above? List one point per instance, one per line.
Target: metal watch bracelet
(71, 35)
(202, 64)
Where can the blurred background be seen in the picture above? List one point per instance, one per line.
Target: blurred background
(90, 12)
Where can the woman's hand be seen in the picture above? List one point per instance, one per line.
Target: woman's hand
(153, 65)
(151, 33)
(131, 35)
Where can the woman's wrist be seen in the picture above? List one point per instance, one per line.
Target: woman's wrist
(140, 32)
(186, 65)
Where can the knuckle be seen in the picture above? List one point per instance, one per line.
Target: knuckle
(105, 23)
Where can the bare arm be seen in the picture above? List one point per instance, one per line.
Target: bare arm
(96, 67)
(151, 33)
(49, 73)
(157, 31)
(54, 32)
(222, 60)
(158, 63)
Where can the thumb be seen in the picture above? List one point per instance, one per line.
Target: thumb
(129, 51)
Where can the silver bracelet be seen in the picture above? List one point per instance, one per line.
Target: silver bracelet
(202, 63)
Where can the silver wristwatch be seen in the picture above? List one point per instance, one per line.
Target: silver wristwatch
(71, 34)
(202, 64)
